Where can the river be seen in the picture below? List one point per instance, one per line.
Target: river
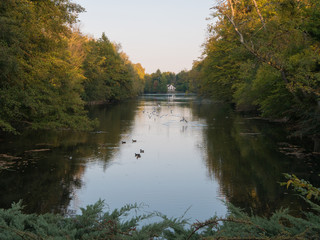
(197, 154)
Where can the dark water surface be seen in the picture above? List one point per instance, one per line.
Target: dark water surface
(196, 153)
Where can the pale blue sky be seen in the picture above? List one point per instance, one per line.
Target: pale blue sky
(160, 34)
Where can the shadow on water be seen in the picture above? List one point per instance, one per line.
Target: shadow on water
(243, 156)
(185, 138)
(44, 168)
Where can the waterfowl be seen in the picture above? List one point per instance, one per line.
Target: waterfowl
(141, 151)
(137, 155)
(123, 142)
(133, 140)
(183, 120)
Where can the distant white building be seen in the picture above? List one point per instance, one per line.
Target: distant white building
(171, 88)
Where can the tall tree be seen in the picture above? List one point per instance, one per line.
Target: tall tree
(265, 54)
(110, 75)
(39, 84)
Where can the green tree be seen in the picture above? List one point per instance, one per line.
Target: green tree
(158, 82)
(39, 85)
(110, 76)
(265, 55)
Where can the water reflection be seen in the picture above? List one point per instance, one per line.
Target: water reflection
(195, 153)
(243, 156)
(48, 166)
(170, 176)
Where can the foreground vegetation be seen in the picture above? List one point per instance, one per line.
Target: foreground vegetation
(125, 223)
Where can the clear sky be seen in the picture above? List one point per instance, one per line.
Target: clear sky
(159, 34)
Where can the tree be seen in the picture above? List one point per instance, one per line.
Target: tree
(263, 53)
(39, 84)
(156, 83)
(110, 76)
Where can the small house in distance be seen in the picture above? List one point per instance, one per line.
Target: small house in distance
(171, 88)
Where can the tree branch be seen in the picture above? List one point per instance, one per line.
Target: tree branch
(260, 16)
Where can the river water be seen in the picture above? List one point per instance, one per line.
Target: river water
(197, 154)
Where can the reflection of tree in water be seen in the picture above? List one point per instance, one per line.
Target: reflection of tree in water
(115, 122)
(45, 185)
(47, 180)
(242, 156)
